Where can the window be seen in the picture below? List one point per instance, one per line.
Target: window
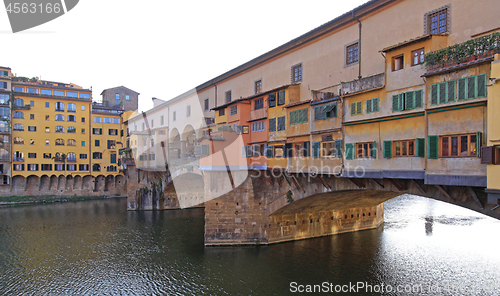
(222, 112)
(71, 130)
(47, 142)
(97, 119)
(59, 142)
(31, 128)
(18, 167)
(84, 96)
(71, 94)
(47, 117)
(71, 142)
(83, 167)
(18, 156)
(113, 158)
(46, 167)
(363, 150)
(281, 98)
(83, 131)
(117, 120)
(329, 149)
(59, 117)
(372, 105)
(71, 118)
(19, 89)
(97, 131)
(162, 120)
(32, 167)
(188, 111)
(83, 143)
(459, 145)
(59, 167)
(117, 97)
(59, 129)
(113, 132)
(437, 21)
(32, 116)
(47, 104)
(18, 127)
(112, 144)
(281, 123)
(31, 90)
(272, 100)
(356, 108)
(297, 73)
(59, 93)
(97, 155)
(407, 101)
(32, 142)
(272, 124)
(83, 107)
(258, 104)
(83, 156)
(325, 111)
(278, 151)
(174, 116)
(71, 157)
(417, 57)
(397, 63)
(97, 143)
(19, 114)
(71, 107)
(107, 120)
(83, 119)
(299, 116)
(32, 103)
(258, 86)
(19, 102)
(71, 167)
(228, 96)
(31, 155)
(462, 89)
(404, 148)
(47, 155)
(46, 92)
(127, 98)
(351, 54)
(60, 106)
(233, 110)
(258, 126)
(18, 140)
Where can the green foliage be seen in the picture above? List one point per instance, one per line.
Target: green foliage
(289, 197)
(461, 52)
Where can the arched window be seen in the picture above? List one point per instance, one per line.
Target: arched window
(71, 107)
(71, 157)
(71, 142)
(18, 127)
(4, 154)
(18, 140)
(19, 114)
(96, 167)
(60, 107)
(59, 117)
(59, 142)
(19, 102)
(72, 118)
(59, 129)
(71, 129)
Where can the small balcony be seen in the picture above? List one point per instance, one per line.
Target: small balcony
(18, 159)
(128, 161)
(462, 53)
(258, 114)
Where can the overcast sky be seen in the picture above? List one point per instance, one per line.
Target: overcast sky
(157, 48)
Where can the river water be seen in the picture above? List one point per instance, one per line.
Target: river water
(425, 247)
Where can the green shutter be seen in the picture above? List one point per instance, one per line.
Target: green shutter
(315, 148)
(434, 94)
(442, 93)
(374, 150)
(451, 91)
(369, 106)
(401, 102)
(420, 143)
(433, 147)
(479, 143)
(359, 107)
(375, 105)
(461, 89)
(387, 149)
(338, 148)
(481, 86)
(409, 101)
(471, 87)
(418, 99)
(317, 113)
(349, 151)
(395, 103)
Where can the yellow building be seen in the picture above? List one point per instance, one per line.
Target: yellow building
(50, 122)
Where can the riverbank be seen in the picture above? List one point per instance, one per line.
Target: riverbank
(19, 200)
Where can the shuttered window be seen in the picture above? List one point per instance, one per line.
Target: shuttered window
(269, 151)
(349, 151)
(356, 108)
(387, 149)
(299, 116)
(372, 105)
(325, 111)
(464, 89)
(420, 143)
(272, 124)
(433, 149)
(272, 100)
(281, 123)
(407, 101)
(281, 98)
(315, 149)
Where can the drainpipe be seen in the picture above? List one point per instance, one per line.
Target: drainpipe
(359, 45)
(426, 130)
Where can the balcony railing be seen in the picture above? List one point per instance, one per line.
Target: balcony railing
(468, 51)
(128, 161)
(18, 159)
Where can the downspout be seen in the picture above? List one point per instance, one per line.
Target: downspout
(342, 132)
(359, 45)
(426, 130)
